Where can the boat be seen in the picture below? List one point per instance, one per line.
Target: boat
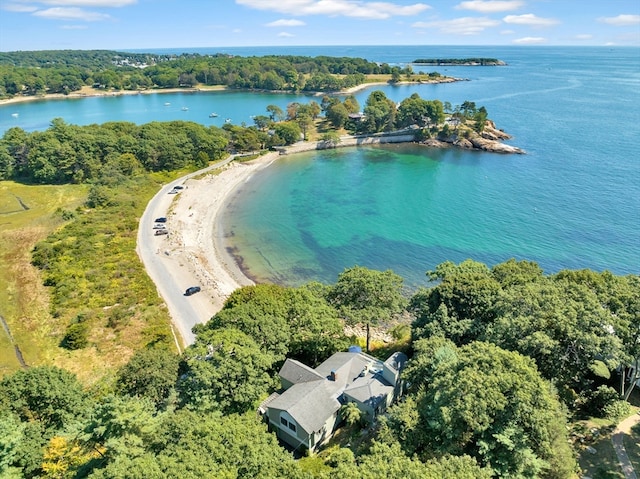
(228, 120)
(213, 115)
(167, 104)
(184, 108)
(15, 115)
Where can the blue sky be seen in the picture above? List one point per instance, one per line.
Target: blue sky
(140, 24)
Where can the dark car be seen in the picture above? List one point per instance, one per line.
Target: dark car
(161, 232)
(192, 290)
(178, 187)
(162, 219)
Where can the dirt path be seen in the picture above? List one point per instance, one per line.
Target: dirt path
(624, 429)
(19, 356)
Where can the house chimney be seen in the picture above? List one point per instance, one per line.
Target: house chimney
(332, 375)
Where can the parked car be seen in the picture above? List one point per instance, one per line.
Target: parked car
(178, 187)
(159, 227)
(192, 290)
(173, 191)
(162, 219)
(161, 232)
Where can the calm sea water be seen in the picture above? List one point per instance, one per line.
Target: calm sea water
(572, 202)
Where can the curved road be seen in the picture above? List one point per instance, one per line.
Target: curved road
(186, 311)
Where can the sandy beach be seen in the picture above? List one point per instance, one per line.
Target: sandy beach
(196, 240)
(194, 252)
(87, 92)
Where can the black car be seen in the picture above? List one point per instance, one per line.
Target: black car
(162, 219)
(178, 187)
(192, 290)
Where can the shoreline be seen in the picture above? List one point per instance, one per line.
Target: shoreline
(196, 239)
(88, 92)
(194, 252)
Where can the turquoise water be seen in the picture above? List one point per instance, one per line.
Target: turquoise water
(572, 202)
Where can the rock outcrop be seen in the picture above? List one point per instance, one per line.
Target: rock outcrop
(490, 139)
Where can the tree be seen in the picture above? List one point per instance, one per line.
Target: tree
(337, 114)
(385, 461)
(367, 296)
(45, 394)
(488, 403)
(380, 113)
(289, 131)
(121, 427)
(194, 445)
(226, 371)
(351, 413)
(275, 112)
(151, 373)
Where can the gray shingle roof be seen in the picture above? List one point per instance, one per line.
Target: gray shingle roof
(309, 403)
(295, 372)
(314, 397)
(369, 389)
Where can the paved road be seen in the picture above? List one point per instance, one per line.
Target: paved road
(185, 311)
(624, 428)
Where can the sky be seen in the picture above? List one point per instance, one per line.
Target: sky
(140, 24)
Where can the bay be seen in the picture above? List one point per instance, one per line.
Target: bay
(572, 202)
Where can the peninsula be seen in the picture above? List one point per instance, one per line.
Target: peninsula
(459, 61)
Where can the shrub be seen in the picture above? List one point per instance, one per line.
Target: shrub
(76, 336)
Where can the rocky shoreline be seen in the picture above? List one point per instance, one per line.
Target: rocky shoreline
(491, 139)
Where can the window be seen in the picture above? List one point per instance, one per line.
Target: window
(283, 421)
(292, 426)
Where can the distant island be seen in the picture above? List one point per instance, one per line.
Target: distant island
(492, 62)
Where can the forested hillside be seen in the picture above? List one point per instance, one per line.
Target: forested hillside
(499, 355)
(66, 71)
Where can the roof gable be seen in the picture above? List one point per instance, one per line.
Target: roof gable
(310, 404)
(295, 372)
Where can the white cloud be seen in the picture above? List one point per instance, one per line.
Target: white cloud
(530, 19)
(347, 8)
(490, 6)
(621, 20)
(14, 7)
(286, 23)
(460, 26)
(81, 3)
(285, 34)
(74, 27)
(72, 13)
(530, 40)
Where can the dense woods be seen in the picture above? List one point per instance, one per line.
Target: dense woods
(65, 71)
(500, 357)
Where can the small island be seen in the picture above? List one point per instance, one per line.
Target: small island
(492, 62)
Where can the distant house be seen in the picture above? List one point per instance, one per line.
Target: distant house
(306, 413)
(357, 117)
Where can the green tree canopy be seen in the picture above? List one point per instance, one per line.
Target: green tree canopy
(485, 402)
(151, 373)
(46, 394)
(226, 371)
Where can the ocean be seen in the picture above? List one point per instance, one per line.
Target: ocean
(573, 201)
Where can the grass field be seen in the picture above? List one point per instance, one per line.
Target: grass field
(38, 316)
(28, 215)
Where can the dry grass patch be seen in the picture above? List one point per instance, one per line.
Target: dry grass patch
(27, 215)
